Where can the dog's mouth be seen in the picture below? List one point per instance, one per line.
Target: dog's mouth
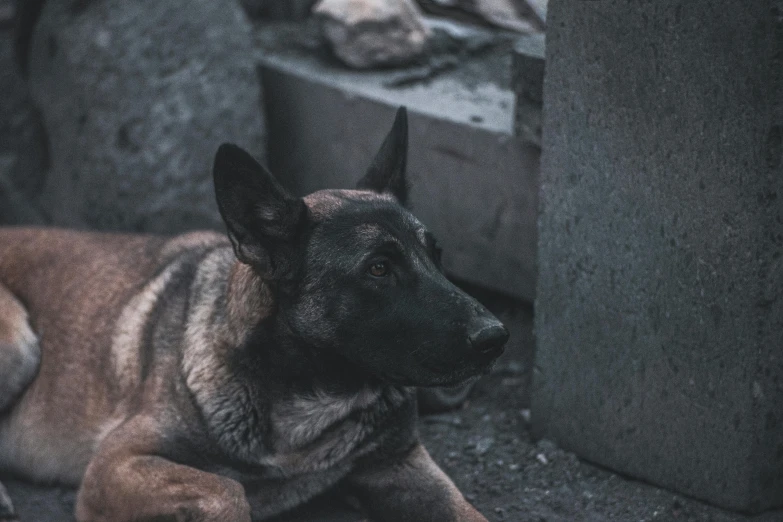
(470, 369)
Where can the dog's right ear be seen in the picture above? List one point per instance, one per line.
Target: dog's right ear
(261, 217)
(387, 171)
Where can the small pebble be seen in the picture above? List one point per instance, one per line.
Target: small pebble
(483, 445)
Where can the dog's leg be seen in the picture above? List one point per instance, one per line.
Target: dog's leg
(19, 360)
(411, 488)
(127, 481)
(20, 354)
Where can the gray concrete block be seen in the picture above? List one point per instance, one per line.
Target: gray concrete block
(659, 316)
(473, 183)
(527, 78)
(136, 97)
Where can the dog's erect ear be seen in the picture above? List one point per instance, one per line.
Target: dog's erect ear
(260, 215)
(387, 171)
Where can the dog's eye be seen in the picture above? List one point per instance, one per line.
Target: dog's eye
(379, 269)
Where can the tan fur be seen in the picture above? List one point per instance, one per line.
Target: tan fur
(324, 203)
(14, 328)
(300, 419)
(130, 329)
(74, 286)
(19, 351)
(153, 487)
(96, 410)
(249, 299)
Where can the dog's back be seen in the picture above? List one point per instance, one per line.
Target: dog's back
(75, 287)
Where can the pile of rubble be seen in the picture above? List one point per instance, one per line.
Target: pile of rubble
(121, 120)
(367, 34)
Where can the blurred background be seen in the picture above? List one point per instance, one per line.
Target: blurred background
(111, 111)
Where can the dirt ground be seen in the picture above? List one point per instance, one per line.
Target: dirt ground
(486, 446)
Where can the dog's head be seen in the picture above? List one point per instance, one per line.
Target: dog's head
(357, 274)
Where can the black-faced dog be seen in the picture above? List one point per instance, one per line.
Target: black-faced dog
(201, 378)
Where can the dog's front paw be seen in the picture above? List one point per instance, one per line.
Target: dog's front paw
(230, 504)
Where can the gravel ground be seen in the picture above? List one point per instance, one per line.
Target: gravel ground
(486, 446)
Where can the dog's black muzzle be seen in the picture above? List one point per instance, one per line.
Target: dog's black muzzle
(488, 336)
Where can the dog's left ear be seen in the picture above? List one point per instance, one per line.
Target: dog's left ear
(262, 218)
(387, 171)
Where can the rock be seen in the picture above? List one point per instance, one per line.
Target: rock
(7, 12)
(484, 444)
(539, 7)
(504, 13)
(278, 9)
(23, 151)
(522, 16)
(373, 33)
(15, 207)
(136, 97)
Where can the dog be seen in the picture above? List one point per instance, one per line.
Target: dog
(213, 378)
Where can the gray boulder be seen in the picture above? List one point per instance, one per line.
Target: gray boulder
(373, 33)
(278, 9)
(136, 97)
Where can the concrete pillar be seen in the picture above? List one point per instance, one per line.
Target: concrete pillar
(659, 315)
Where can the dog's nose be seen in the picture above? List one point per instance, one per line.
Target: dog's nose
(489, 337)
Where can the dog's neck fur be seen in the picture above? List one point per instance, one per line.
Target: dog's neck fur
(315, 389)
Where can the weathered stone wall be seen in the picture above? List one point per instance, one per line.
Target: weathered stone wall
(659, 315)
(136, 97)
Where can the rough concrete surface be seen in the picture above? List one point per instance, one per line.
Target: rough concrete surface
(23, 153)
(660, 300)
(278, 9)
(136, 97)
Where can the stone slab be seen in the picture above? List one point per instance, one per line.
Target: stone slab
(473, 183)
(527, 78)
(659, 316)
